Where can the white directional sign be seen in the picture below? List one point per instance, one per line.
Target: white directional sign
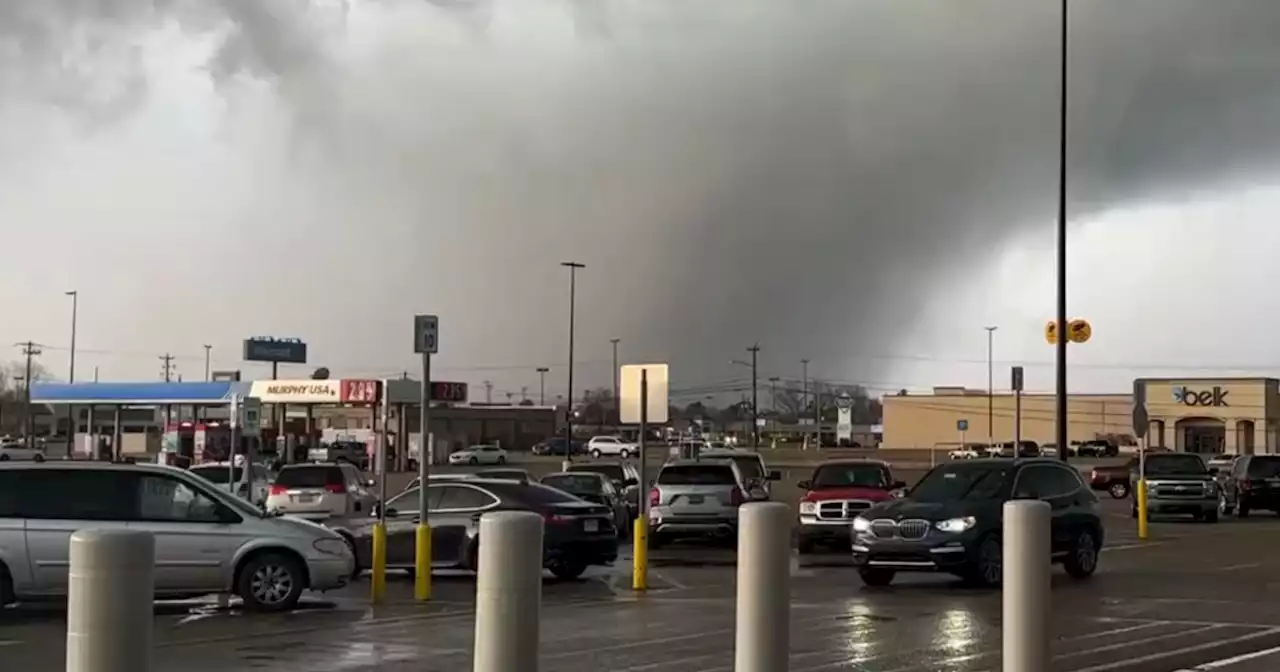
(656, 389)
(426, 332)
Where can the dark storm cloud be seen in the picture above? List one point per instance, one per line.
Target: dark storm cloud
(801, 174)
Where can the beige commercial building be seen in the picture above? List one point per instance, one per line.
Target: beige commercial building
(1201, 415)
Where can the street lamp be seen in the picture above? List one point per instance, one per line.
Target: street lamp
(573, 267)
(991, 390)
(1060, 429)
(542, 385)
(71, 367)
(208, 350)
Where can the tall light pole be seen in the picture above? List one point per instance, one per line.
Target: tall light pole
(542, 385)
(208, 350)
(71, 368)
(616, 404)
(755, 399)
(991, 386)
(804, 385)
(1061, 433)
(573, 267)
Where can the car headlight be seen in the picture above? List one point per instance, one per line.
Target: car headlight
(1211, 488)
(808, 508)
(861, 524)
(956, 524)
(330, 546)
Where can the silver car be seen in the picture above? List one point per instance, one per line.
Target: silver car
(695, 498)
(320, 491)
(207, 541)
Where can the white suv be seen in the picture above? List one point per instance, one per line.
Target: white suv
(600, 446)
(321, 491)
(207, 541)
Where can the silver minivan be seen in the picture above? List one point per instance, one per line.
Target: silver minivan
(207, 541)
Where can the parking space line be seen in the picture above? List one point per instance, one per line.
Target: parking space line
(1129, 662)
(1227, 662)
(1247, 565)
(1130, 547)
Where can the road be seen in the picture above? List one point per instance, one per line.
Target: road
(1194, 598)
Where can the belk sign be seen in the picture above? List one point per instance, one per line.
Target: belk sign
(1207, 398)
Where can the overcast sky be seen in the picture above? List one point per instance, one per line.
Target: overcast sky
(864, 183)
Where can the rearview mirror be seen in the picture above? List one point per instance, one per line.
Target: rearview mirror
(804, 485)
(775, 475)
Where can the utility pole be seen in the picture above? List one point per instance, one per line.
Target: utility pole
(167, 372)
(488, 391)
(542, 385)
(208, 350)
(804, 385)
(29, 349)
(1060, 431)
(71, 369)
(991, 388)
(616, 404)
(573, 267)
(167, 360)
(755, 407)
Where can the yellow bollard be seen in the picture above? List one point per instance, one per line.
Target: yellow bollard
(1141, 494)
(422, 563)
(640, 551)
(378, 575)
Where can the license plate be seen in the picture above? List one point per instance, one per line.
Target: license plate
(591, 525)
(304, 499)
(695, 499)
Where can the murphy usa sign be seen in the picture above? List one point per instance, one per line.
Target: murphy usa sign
(1210, 398)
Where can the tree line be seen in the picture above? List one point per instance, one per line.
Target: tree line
(786, 403)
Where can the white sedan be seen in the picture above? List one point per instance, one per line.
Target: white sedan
(485, 454)
(17, 450)
(963, 454)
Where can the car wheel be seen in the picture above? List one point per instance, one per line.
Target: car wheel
(4, 458)
(568, 570)
(988, 568)
(1242, 510)
(6, 586)
(271, 582)
(596, 453)
(38, 457)
(1119, 490)
(876, 577)
(502, 460)
(1082, 562)
(355, 557)
(624, 454)
(473, 460)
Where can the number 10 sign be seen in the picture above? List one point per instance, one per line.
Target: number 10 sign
(425, 334)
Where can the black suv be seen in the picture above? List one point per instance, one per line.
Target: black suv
(952, 520)
(1253, 483)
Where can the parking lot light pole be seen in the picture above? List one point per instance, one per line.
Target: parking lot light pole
(573, 267)
(542, 385)
(991, 386)
(1060, 429)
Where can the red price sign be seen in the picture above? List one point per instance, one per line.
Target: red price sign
(360, 391)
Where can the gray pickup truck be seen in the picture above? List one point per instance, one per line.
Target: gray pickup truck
(1178, 483)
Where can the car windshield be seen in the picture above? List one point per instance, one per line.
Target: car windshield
(949, 483)
(1264, 467)
(309, 477)
(575, 483)
(1174, 465)
(612, 471)
(218, 473)
(697, 474)
(850, 475)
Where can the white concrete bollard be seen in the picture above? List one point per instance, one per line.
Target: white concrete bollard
(1025, 586)
(110, 601)
(508, 592)
(762, 642)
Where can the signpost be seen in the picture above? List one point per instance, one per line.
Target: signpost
(643, 398)
(426, 342)
(1141, 426)
(962, 426)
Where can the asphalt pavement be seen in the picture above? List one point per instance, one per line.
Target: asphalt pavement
(1194, 597)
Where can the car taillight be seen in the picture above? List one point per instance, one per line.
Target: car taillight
(555, 518)
(278, 489)
(736, 496)
(1093, 475)
(655, 497)
(336, 488)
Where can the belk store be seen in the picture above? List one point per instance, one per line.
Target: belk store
(1213, 415)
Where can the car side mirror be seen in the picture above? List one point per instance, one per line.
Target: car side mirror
(804, 485)
(898, 485)
(774, 475)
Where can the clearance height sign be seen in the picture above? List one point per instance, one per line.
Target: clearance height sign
(346, 391)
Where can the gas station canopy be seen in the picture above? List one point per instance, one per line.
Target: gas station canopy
(138, 394)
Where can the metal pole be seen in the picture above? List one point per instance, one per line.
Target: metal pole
(640, 529)
(71, 369)
(1017, 418)
(508, 592)
(573, 267)
(208, 350)
(615, 341)
(1061, 429)
(422, 534)
(378, 572)
(991, 387)
(1025, 591)
(542, 385)
(763, 638)
(804, 387)
(110, 601)
(755, 405)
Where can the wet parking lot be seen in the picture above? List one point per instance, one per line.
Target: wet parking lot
(1194, 597)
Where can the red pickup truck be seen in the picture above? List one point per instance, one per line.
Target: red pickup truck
(835, 494)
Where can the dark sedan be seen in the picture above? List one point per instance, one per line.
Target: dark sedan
(596, 488)
(578, 534)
